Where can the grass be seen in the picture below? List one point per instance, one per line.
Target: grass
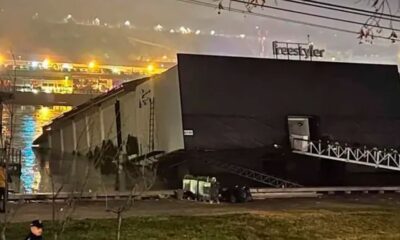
(310, 224)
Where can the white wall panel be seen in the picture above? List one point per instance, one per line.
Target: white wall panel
(80, 123)
(168, 111)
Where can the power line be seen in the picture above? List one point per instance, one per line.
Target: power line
(339, 9)
(353, 9)
(315, 15)
(214, 6)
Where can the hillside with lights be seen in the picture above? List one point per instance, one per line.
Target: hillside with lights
(119, 44)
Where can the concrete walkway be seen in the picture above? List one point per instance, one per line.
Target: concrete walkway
(167, 207)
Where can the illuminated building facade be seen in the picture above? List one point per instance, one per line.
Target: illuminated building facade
(66, 78)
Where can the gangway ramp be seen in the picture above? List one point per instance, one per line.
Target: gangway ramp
(373, 157)
(252, 174)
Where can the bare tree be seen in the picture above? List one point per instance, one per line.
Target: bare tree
(382, 12)
(55, 193)
(9, 216)
(142, 183)
(64, 214)
(9, 213)
(61, 216)
(378, 23)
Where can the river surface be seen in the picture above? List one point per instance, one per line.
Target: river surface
(41, 169)
(28, 123)
(46, 171)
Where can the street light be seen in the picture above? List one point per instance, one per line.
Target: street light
(150, 68)
(34, 64)
(44, 113)
(46, 63)
(115, 70)
(67, 66)
(92, 64)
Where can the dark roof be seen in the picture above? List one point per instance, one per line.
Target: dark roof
(125, 87)
(40, 139)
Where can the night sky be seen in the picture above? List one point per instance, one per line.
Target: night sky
(120, 31)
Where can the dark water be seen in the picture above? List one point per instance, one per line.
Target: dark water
(28, 123)
(41, 169)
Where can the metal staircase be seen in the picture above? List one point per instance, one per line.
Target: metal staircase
(252, 174)
(146, 159)
(373, 157)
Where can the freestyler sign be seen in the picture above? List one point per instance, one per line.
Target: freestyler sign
(296, 49)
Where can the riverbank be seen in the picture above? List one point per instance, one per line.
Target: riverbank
(338, 217)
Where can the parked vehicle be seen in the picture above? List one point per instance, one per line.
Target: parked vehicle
(237, 194)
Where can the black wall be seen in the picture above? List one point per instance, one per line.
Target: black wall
(233, 103)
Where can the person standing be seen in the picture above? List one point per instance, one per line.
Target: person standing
(214, 191)
(36, 231)
(3, 179)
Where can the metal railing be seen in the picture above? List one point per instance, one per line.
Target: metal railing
(253, 175)
(373, 157)
(13, 157)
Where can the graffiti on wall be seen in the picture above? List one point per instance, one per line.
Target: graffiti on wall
(145, 97)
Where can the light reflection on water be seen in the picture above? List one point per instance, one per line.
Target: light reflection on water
(28, 123)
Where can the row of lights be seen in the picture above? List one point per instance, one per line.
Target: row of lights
(186, 30)
(159, 28)
(67, 66)
(46, 64)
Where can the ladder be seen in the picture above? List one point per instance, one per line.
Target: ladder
(373, 157)
(151, 126)
(252, 174)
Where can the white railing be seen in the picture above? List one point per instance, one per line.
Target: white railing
(373, 157)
